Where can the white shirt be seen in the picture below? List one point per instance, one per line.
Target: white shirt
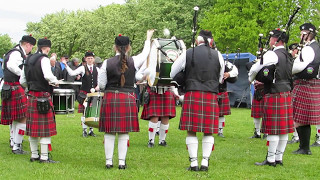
(234, 72)
(137, 60)
(307, 56)
(180, 64)
(269, 58)
(47, 73)
(15, 60)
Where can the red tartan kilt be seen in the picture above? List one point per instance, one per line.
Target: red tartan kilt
(306, 101)
(81, 106)
(278, 114)
(16, 107)
(118, 113)
(40, 125)
(257, 108)
(200, 112)
(160, 105)
(224, 104)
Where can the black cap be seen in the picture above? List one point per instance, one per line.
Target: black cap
(308, 26)
(88, 53)
(66, 56)
(44, 42)
(28, 39)
(278, 33)
(122, 40)
(205, 33)
(293, 46)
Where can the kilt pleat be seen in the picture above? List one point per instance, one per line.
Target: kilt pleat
(257, 108)
(224, 104)
(40, 125)
(15, 107)
(278, 114)
(306, 101)
(118, 113)
(160, 105)
(200, 112)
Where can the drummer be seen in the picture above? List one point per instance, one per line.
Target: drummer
(89, 74)
(119, 113)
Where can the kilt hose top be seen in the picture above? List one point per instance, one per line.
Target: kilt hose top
(81, 106)
(118, 113)
(160, 105)
(277, 114)
(306, 101)
(40, 125)
(224, 104)
(200, 112)
(15, 107)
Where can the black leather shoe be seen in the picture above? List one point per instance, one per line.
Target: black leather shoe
(122, 167)
(292, 141)
(302, 151)
(255, 135)
(84, 134)
(109, 166)
(265, 162)
(163, 143)
(204, 168)
(19, 151)
(48, 161)
(150, 144)
(92, 134)
(279, 163)
(264, 136)
(315, 144)
(194, 168)
(34, 159)
(221, 135)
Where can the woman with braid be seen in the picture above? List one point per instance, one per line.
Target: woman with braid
(119, 113)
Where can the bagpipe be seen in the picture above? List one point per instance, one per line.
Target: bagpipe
(227, 68)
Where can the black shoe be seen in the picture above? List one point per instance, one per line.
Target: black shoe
(194, 168)
(204, 168)
(292, 141)
(265, 162)
(84, 134)
(264, 136)
(302, 151)
(150, 144)
(109, 166)
(255, 135)
(157, 133)
(279, 162)
(315, 144)
(34, 159)
(48, 161)
(221, 135)
(92, 134)
(122, 166)
(163, 143)
(19, 151)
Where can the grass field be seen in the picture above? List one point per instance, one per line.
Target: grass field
(83, 158)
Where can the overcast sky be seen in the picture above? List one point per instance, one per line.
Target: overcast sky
(14, 14)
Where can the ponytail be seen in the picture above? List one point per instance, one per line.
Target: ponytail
(123, 63)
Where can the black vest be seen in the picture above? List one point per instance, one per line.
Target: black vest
(312, 70)
(89, 80)
(204, 75)
(34, 74)
(9, 76)
(283, 74)
(114, 74)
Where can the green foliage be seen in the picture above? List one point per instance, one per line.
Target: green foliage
(5, 44)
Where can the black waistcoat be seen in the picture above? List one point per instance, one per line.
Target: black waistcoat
(89, 80)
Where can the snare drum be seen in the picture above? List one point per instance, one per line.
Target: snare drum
(63, 101)
(162, 55)
(92, 110)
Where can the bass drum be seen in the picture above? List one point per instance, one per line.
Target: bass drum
(162, 55)
(92, 110)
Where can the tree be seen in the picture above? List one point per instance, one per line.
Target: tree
(5, 44)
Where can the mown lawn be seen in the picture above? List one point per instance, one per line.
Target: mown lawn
(83, 158)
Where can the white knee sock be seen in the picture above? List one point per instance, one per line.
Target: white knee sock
(273, 143)
(163, 132)
(13, 128)
(109, 147)
(84, 126)
(295, 135)
(152, 131)
(257, 123)
(221, 124)
(158, 126)
(192, 144)
(45, 142)
(283, 139)
(11, 135)
(123, 142)
(207, 146)
(34, 146)
(20, 130)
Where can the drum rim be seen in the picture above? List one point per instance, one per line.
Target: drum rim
(63, 90)
(95, 94)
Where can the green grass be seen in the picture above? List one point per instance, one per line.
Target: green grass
(83, 158)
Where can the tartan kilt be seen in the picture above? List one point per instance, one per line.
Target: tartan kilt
(15, 107)
(278, 114)
(200, 112)
(40, 125)
(81, 106)
(160, 105)
(224, 104)
(306, 101)
(119, 113)
(257, 108)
